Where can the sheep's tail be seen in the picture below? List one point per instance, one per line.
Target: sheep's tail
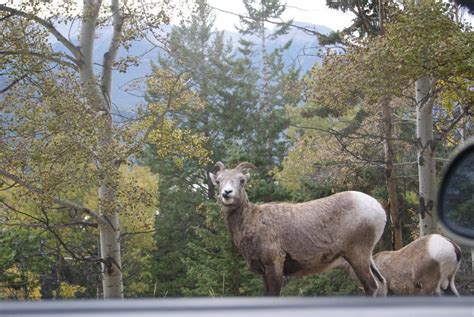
(457, 250)
(344, 265)
(376, 272)
(451, 289)
(382, 288)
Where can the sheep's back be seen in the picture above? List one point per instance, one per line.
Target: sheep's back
(325, 225)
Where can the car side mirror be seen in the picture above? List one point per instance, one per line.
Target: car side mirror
(456, 197)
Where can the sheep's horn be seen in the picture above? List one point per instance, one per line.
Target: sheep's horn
(245, 165)
(220, 165)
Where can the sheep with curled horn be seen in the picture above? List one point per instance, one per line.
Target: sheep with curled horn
(284, 239)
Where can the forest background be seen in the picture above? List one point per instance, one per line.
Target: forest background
(100, 202)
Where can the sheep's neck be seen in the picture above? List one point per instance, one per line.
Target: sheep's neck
(235, 216)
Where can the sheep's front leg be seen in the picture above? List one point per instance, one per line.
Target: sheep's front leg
(273, 279)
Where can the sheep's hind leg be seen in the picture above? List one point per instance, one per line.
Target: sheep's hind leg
(362, 268)
(382, 285)
(451, 290)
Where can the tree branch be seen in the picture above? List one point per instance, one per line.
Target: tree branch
(13, 83)
(111, 54)
(345, 147)
(20, 212)
(356, 135)
(94, 91)
(64, 203)
(58, 226)
(49, 26)
(6, 17)
(51, 58)
(44, 224)
(125, 234)
(68, 250)
(271, 22)
(89, 18)
(446, 130)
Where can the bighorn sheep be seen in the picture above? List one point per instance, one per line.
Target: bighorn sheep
(283, 239)
(427, 266)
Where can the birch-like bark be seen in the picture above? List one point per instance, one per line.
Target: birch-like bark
(98, 96)
(111, 54)
(425, 152)
(390, 175)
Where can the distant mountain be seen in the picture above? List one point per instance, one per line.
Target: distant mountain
(302, 53)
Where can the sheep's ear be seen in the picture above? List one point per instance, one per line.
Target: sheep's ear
(247, 176)
(213, 178)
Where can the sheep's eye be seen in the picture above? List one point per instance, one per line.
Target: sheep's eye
(242, 181)
(218, 181)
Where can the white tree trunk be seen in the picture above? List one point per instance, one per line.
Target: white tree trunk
(425, 152)
(99, 100)
(97, 94)
(112, 280)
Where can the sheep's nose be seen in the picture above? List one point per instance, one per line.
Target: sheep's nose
(226, 193)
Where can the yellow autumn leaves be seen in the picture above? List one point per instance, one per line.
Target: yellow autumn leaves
(171, 102)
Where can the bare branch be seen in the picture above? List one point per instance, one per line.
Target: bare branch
(58, 226)
(345, 148)
(13, 83)
(8, 186)
(20, 212)
(125, 234)
(355, 135)
(68, 250)
(6, 17)
(271, 22)
(51, 58)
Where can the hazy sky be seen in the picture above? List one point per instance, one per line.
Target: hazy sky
(312, 11)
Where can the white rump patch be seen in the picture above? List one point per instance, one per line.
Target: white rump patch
(440, 249)
(372, 209)
(443, 252)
